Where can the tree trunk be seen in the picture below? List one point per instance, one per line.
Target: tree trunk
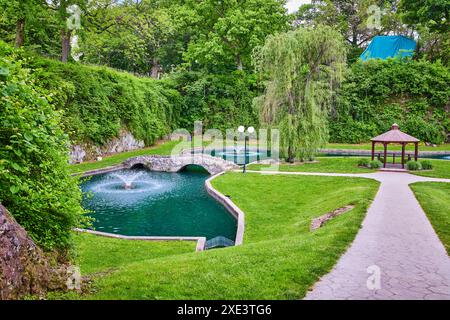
(65, 44)
(156, 67)
(291, 111)
(20, 32)
(291, 156)
(239, 65)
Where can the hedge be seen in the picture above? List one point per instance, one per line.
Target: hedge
(377, 93)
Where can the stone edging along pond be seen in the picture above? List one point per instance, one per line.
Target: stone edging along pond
(201, 241)
(230, 206)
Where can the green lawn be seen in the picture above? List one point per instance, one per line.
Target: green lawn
(280, 257)
(100, 254)
(368, 146)
(441, 169)
(322, 164)
(434, 197)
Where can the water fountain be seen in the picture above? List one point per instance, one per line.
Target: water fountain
(127, 179)
(139, 202)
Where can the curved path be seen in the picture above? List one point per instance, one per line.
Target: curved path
(395, 255)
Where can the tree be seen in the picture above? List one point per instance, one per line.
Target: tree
(64, 11)
(430, 18)
(228, 30)
(357, 20)
(302, 69)
(145, 36)
(20, 12)
(433, 14)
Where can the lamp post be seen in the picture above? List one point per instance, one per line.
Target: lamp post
(241, 130)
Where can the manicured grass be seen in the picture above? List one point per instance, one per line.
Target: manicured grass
(322, 164)
(164, 148)
(441, 169)
(280, 257)
(368, 146)
(434, 197)
(101, 254)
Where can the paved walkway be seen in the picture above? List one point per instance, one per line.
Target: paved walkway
(395, 255)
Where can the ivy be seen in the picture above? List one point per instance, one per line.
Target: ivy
(377, 93)
(35, 184)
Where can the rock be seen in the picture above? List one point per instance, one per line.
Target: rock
(87, 151)
(316, 223)
(99, 158)
(24, 268)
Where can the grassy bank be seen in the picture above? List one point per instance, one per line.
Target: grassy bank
(280, 257)
(391, 147)
(434, 197)
(321, 164)
(441, 169)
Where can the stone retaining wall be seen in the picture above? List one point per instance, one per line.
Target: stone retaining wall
(87, 151)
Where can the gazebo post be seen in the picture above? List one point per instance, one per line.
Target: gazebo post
(403, 156)
(385, 154)
(416, 150)
(373, 150)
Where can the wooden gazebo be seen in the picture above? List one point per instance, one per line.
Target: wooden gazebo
(395, 136)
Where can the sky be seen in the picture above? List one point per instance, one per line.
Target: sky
(292, 5)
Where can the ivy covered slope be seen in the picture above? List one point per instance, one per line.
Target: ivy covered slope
(35, 184)
(98, 101)
(377, 93)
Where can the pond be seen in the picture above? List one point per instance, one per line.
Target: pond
(138, 202)
(239, 154)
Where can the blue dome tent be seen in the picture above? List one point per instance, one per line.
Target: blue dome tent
(383, 47)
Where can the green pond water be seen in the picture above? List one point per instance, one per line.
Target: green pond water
(156, 204)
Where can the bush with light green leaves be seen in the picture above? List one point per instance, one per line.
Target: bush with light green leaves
(35, 185)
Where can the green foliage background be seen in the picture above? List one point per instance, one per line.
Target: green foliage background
(377, 93)
(99, 101)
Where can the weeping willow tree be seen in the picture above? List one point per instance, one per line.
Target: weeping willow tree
(301, 70)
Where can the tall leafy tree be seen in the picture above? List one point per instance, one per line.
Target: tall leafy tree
(301, 68)
(434, 14)
(228, 30)
(430, 19)
(19, 13)
(357, 20)
(60, 9)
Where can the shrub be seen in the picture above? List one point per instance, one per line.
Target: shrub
(413, 165)
(363, 162)
(221, 101)
(35, 184)
(375, 164)
(377, 93)
(426, 164)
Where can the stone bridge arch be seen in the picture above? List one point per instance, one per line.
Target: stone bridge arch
(211, 164)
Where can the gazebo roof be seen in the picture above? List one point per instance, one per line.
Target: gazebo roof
(395, 135)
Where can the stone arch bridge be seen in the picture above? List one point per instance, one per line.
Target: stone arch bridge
(211, 164)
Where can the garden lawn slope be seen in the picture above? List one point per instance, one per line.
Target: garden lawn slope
(280, 257)
(434, 197)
